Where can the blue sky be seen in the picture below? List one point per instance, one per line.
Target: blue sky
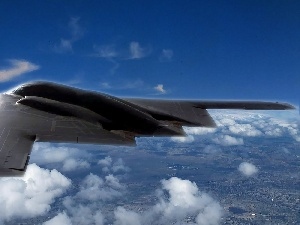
(168, 49)
(155, 49)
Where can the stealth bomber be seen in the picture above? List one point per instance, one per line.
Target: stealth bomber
(49, 112)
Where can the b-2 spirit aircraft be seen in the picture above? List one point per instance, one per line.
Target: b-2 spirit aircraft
(48, 112)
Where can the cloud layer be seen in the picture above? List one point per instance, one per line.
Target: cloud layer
(234, 126)
(177, 201)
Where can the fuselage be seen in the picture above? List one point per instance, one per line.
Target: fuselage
(113, 113)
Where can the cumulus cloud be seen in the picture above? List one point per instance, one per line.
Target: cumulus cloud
(177, 201)
(184, 201)
(73, 164)
(60, 219)
(227, 140)
(185, 198)
(18, 67)
(160, 88)
(94, 188)
(106, 162)
(166, 55)
(32, 193)
(187, 139)
(76, 33)
(84, 207)
(247, 169)
(126, 217)
(119, 166)
(83, 214)
(108, 165)
(67, 158)
(136, 51)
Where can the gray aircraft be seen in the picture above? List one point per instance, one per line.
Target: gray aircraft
(50, 112)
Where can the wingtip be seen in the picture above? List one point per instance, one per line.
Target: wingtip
(287, 106)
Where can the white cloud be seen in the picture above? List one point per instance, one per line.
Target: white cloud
(249, 123)
(32, 193)
(75, 28)
(178, 200)
(136, 51)
(160, 88)
(74, 164)
(94, 188)
(106, 51)
(166, 55)
(83, 214)
(64, 46)
(193, 131)
(108, 165)
(114, 54)
(105, 85)
(67, 158)
(47, 153)
(184, 201)
(227, 140)
(84, 207)
(247, 169)
(119, 166)
(60, 219)
(18, 67)
(107, 161)
(245, 130)
(187, 139)
(126, 217)
(76, 32)
(123, 85)
(199, 130)
(105, 164)
(226, 122)
(113, 182)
